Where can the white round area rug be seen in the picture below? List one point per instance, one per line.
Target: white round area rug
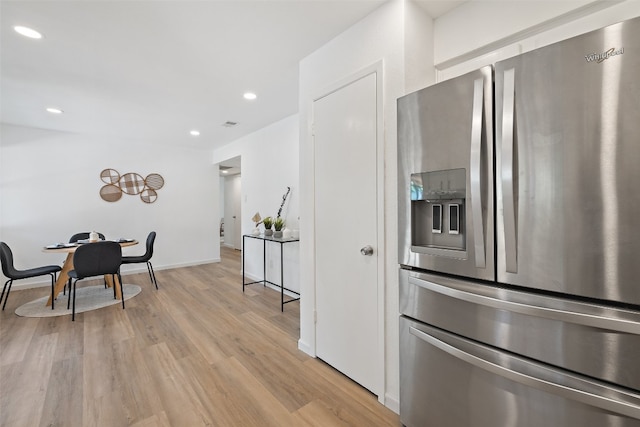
(87, 298)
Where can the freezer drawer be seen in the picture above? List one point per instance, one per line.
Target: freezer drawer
(599, 341)
(449, 381)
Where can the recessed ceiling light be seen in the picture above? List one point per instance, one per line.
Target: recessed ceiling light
(27, 32)
(194, 133)
(54, 110)
(250, 96)
(225, 171)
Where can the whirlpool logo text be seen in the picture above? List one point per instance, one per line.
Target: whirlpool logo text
(599, 57)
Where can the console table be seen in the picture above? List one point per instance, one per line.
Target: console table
(264, 280)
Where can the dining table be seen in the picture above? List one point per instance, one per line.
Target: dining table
(70, 249)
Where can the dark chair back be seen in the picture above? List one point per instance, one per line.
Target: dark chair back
(83, 236)
(97, 259)
(6, 256)
(151, 238)
(12, 273)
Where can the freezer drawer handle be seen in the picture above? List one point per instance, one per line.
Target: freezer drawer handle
(584, 396)
(507, 172)
(585, 319)
(475, 172)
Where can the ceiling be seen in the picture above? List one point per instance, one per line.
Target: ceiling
(148, 69)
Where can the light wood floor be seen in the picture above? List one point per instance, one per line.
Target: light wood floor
(196, 352)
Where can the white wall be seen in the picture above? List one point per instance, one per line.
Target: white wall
(49, 190)
(269, 166)
(418, 48)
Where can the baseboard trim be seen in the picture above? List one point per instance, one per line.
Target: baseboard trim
(139, 268)
(303, 346)
(392, 402)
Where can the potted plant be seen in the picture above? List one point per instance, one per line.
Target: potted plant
(268, 223)
(278, 224)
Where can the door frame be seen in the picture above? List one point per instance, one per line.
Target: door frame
(376, 68)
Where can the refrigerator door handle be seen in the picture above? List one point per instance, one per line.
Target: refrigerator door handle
(593, 320)
(507, 172)
(475, 172)
(589, 393)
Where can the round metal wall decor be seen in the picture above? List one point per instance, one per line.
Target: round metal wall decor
(154, 181)
(148, 195)
(110, 176)
(130, 183)
(110, 193)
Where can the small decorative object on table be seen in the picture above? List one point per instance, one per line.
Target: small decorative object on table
(268, 223)
(286, 233)
(284, 199)
(278, 224)
(257, 219)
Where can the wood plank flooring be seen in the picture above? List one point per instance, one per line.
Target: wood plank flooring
(198, 352)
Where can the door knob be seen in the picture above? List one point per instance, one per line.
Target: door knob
(367, 250)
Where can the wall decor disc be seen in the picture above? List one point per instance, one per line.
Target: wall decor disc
(148, 195)
(132, 183)
(154, 181)
(110, 193)
(110, 176)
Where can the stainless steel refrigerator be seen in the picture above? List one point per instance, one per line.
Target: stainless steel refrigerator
(519, 240)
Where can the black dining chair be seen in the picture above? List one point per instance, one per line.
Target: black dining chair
(83, 236)
(77, 237)
(151, 238)
(95, 259)
(8, 269)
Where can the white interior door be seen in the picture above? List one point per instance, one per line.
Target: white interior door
(345, 135)
(232, 212)
(237, 213)
(229, 226)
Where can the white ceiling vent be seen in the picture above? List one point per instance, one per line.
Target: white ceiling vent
(229, 124)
